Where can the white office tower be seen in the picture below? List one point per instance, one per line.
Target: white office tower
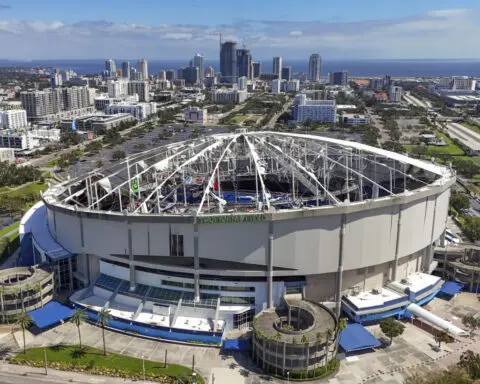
(323, 111)
(293, 85)
(242, 83)
(198, 62)
(141, 88)
(162, 75)
(110, 68)
(277, 66)
(143, 68)
(117, 88)
(315, 67)
(13, 119)
(395, 94)
(276, 86)
(56, 80)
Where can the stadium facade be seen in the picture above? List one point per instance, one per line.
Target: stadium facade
(195, 238)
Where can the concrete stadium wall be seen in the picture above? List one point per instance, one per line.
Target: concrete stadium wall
(307, 245)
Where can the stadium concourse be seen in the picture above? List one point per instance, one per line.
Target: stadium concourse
(192, 240)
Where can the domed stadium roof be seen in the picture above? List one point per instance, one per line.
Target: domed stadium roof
(248, 172)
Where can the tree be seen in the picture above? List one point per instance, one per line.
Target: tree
(391, 328)
(24, 321)
(471, 227)
(278, 337)
(99, 164)
(466, 167)
(471, 322)
(78, 319)
(470, 361)
(118, 154)
(459, 201)
(103, 317)
(443, 337)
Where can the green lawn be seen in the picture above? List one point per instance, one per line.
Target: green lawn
(34, 187)
(452, 149)
(9, 228)
(472, 127)
(92, 360)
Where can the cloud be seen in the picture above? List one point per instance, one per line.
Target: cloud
(4, 6)
(444, 33)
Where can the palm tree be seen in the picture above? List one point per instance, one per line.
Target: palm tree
(38, 289)
(318, 337)
(328, 335)
(2, 291)
(305, 343)
(341, 325)
(278, 337)
(78, 318)
(24, 320)
(15, 292)
(103, 317)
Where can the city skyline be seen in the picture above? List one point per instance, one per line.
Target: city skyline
(30, 30)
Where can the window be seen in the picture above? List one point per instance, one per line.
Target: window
(237, 300)
(243, 320)
(176, 245)
(238, 289)
(360, 271)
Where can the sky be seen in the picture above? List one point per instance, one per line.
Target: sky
(160, 29)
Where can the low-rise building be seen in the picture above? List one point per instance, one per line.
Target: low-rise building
(293, 85)
(195, 115)
(355, 119)
(98, 123)
(323, 111)
(140, 111)
(228, 96)
(104, 100)
(13, 119)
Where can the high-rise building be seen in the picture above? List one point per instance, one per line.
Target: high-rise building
(110, 68)
(338, 78)
(170, 74)
(141, 88)
(315, 67)
(276, 86)
(277, 66)
(191, 75)
(117, 88)
(256, 69)
(143, 68)
(39, 104)
(228, 61)
(293, 85)
(198, 62)
(242, 83)
(244, 63)
(209, 72)
(126, 69)
(56, 80)
(162, 75)
(287, 73)
(395, 94)
(13, 119)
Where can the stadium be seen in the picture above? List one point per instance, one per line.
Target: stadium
(192, 240)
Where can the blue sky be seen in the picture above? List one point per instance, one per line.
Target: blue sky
(160, 29)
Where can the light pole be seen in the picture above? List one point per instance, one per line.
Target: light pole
(194, 378)
(288, 377)
(143, 367)
(45, 358)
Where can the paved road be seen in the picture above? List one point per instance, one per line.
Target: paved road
(271, 123)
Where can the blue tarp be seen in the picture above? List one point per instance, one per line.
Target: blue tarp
(237, 344)
(356, 338)
(50, 314)
(451, 288)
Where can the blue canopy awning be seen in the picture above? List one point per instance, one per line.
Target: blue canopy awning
(451, 288)
(50, 314)
(356, 338)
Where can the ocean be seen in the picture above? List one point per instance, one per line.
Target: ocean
(398, 68)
